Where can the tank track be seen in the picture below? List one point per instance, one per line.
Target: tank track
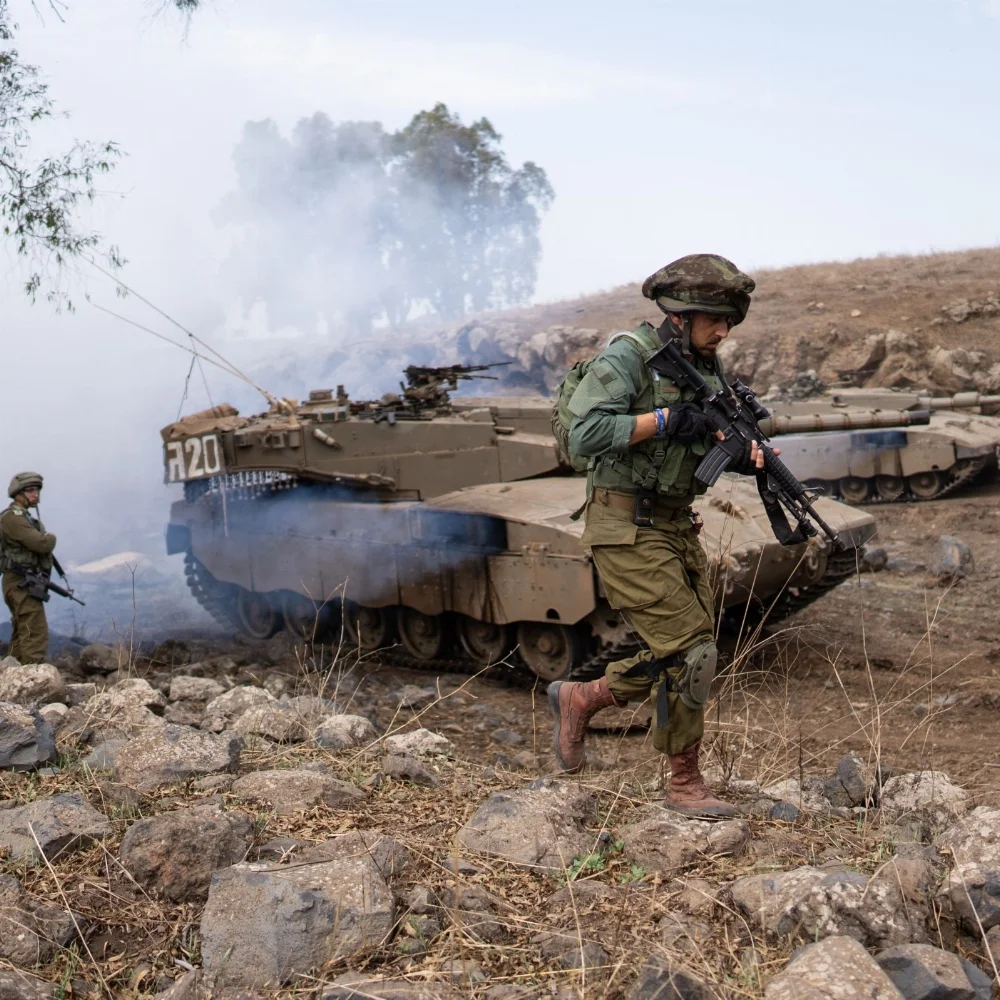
(217, 599)
(961, 474)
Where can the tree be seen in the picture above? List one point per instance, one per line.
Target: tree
(40, 198)
(343, 225)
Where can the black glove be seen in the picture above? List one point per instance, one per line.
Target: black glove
(688, 423)
(743, 466)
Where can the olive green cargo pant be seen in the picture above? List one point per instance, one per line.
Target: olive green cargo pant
(659, 578)
(29, 640)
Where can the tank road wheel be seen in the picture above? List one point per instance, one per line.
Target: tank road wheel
(853, 489)
(889, 488)
(486, 643)
(550, 650)
(257, 614)
(369, 628)
(422, 636)
(307, 620)
(926, 485)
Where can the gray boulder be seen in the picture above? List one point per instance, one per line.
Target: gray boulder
(275, 722)
(294, 791)
(55, 826)
(223, 711)
(31, 931)
(972, 886)
(32, 684)
(539, 826)
(927, 799)
(99, 659)
(408, 769)
(184, 688)
(342, 732)
(664, 841)
(175, 854)
(837, 968)
(811, 903)
(923, 972)
(79, 694)
(27, 741)
(20, 986)
(175, 753)
(264, 925)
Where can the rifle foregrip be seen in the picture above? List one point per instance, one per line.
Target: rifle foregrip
(782, 475)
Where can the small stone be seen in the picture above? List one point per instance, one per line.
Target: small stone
(184, 688)
(53, 827)
(415, 697)
(223, 711)
(663, 841)
(32, 684)
(784, 812)
(408, 769)
(184, 713)
(274, 722)
(53, 713)
(696, 897)
(923, 972)
(836, 968)
(294, 791)
(102, 757)
(419, 743)
(875, 559)
(342, 732)
(953, 560)
(31, 931)
(540, 826)
(660, 978)
(79, 694)
(174, 854)
(507, 736)
(855, 313)
(175, 753)
(463, 971)
(264, 925)
(27, 741)
(21, 986)
(97, 659)
(925, 797)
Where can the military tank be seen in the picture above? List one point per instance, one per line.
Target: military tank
(440, 529)
(955, 447)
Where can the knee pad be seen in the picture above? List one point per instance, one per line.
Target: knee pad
(697, 673)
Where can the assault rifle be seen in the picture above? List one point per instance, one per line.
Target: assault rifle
(737, 412)
(38, 583)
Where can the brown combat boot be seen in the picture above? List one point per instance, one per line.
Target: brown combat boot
(573, 705)
(688, 794)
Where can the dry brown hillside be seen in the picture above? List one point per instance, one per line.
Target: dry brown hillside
(929, 321)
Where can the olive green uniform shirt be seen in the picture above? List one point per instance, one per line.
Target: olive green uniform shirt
(25, 540)
(619, 386)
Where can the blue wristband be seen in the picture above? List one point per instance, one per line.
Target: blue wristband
(661, 422)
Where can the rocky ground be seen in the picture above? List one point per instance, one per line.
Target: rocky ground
(219, 819)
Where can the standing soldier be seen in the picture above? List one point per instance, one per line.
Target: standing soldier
(644, 437)
(26, 546)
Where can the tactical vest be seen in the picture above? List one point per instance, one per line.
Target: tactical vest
(14, 554)
(657, 463)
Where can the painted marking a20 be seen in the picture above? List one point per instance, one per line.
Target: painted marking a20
(193, 458)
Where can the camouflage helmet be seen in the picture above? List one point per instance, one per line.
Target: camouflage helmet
(701, 282)
(23, 481)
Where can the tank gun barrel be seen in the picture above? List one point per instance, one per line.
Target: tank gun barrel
(845, 420)
(959, 401)
(422, 374)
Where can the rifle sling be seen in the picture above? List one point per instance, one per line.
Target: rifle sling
(776, 516)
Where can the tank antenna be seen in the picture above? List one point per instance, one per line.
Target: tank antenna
(225, 364)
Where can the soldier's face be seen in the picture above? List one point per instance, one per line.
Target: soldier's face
(708, 331)
(31, 496)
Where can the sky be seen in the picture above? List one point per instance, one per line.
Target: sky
(775, 133)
